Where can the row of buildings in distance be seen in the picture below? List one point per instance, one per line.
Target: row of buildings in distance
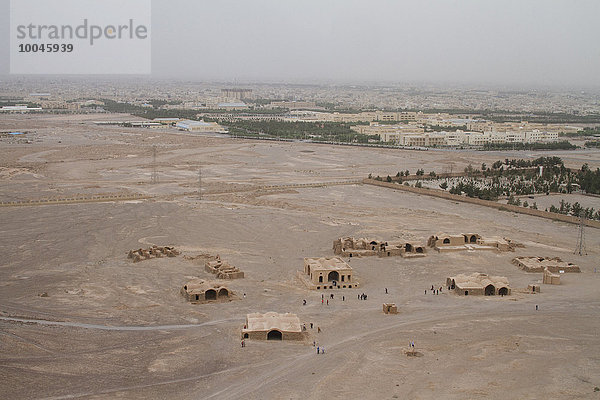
(477, 133)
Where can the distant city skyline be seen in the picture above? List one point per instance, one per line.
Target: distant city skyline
(493, 43)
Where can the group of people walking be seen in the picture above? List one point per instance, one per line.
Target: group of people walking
(434, 290)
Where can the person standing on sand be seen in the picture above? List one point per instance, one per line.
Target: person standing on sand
(318, 350)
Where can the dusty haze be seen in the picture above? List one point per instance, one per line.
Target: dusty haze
(492, 42)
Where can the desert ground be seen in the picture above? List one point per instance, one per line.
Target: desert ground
(106, 327)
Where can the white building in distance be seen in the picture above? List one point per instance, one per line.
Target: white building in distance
(199, 126)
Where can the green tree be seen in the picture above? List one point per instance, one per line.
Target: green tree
(576, 209)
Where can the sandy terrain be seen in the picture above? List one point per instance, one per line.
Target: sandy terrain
(110, 328)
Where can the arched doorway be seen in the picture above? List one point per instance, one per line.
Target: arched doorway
(333, 276)
(503, 291)
(409, 247)
(419, 250)
(446, 241)
(223, 292)
(490, 290)
(210, 294)
(473, 239)
(274, 335)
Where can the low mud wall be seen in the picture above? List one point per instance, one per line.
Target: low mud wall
(486, 203)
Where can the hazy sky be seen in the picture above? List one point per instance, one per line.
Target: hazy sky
(541, 42)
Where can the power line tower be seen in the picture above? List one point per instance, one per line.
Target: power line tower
(580, 248)
(200, 183)
(154, 168)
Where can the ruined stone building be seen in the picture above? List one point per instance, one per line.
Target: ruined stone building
(412, 249)
(478, 284)
(533, 288)
(152, 252)
(272, 326)
(551, 278)
(390, 308)
(351, 247)
(222, 269)
(327, 273)
(539, 264)
(199, 291)
(443, 242)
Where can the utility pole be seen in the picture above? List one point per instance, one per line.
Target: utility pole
(154, 168)
(580, 248)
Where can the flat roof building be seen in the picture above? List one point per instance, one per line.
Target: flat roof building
(540, 264)
(327, 273)
(199, 126)
(238, 94)
(272, 326)
(443, 242)
(478, 284)
(199, 291)
(233, 106)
